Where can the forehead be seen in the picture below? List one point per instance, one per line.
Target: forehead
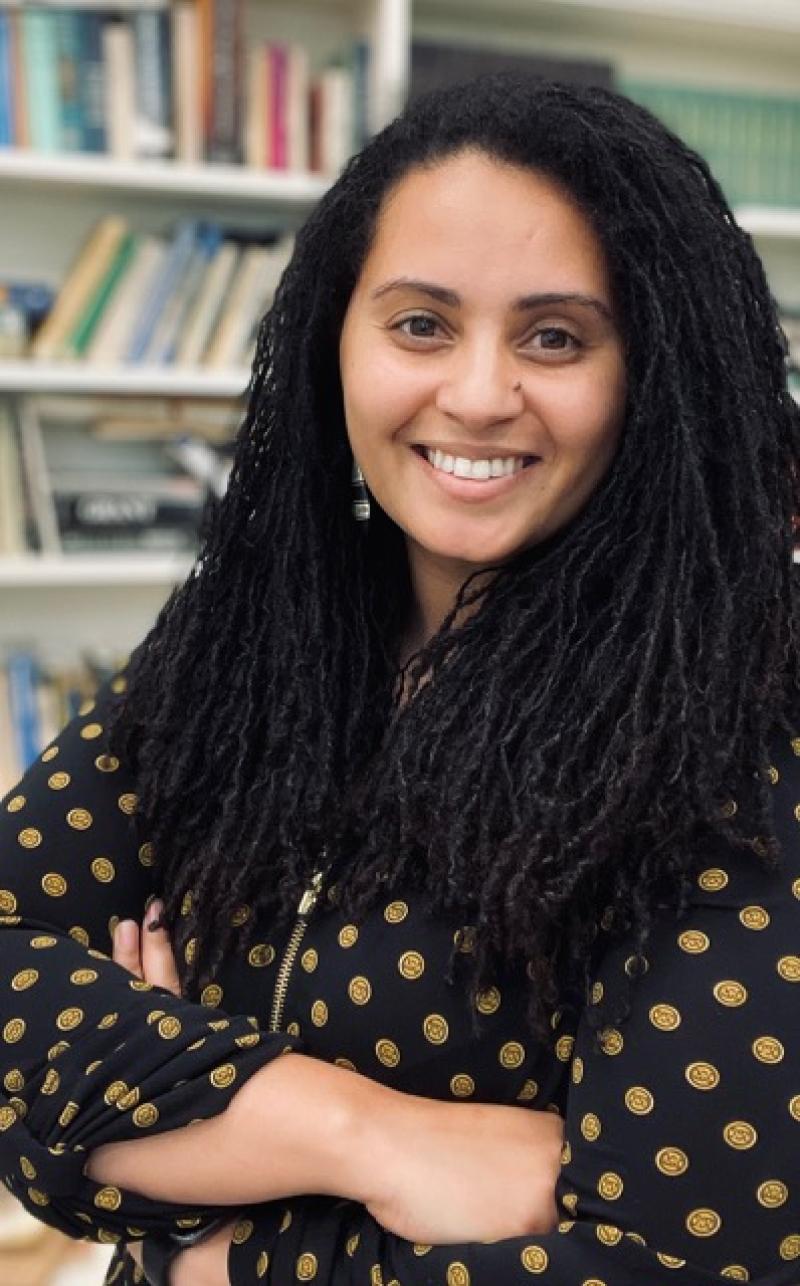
(483, 226)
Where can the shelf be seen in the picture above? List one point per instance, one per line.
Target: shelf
(229, 184)
(142, 381)
(75, 570)
(769, 222)
(773, 16)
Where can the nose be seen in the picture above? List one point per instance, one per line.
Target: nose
(480, 385)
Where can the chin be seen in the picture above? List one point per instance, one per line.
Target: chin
(474, 550)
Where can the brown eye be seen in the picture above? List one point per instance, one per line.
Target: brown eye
(557, 333)
(416, 319)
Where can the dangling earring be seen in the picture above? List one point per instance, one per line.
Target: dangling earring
(361, 505)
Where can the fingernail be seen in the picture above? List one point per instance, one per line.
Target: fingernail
(154, 911)
(126, 934)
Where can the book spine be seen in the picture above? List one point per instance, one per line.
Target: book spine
(18, 86)
(186, 80)
(225, 139)
(92, 82)
(78, 341)
(174, 265)
(82, 279)
(152, 131)
(22, 678)
(277, 85)
(6, 82)
(67, 23)
(119, 80)
(41, 79)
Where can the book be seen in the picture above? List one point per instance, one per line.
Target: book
(224, 139)
(110, 340)
(198, 328)
(119, 66)
(77, 342)
(68, 52)
(22, 673)
(187, 81)
(152, 129)
(174, 265)
(40, 60)
(7, 105)
(12, 508)
(166, 337)
(84, 277)
(250, 293)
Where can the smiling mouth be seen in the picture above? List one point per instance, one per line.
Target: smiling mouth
(479, 470)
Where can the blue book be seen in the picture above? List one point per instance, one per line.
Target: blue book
(209, 236)
(169, 279)
(360, 68)
(40, 62)
(93, 81)
(69, 79)
(6, 83)
(22, 680)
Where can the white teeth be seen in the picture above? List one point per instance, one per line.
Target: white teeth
(498, 467)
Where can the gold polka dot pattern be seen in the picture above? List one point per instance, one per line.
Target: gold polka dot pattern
(655, 1117)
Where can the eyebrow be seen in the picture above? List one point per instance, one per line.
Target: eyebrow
(519, 305)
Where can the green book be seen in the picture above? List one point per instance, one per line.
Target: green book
(77, 341)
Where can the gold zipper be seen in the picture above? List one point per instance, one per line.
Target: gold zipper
(304, 909)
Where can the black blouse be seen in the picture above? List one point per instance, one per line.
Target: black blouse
(682, 1153)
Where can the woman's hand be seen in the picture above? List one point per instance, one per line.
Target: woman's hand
(447, 1172)
(149, 956)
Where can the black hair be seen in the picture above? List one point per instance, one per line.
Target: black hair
(610, 688)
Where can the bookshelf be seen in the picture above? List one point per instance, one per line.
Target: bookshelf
(700, 42)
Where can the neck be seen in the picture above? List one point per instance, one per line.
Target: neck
(435, 583)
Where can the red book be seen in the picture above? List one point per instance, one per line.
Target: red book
(277, 151)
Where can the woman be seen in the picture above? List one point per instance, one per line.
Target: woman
(495, 788)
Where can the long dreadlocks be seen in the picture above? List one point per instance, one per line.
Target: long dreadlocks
(584, 725)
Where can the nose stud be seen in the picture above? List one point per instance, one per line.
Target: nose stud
(518, 386)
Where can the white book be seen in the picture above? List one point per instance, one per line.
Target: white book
(12, 507)
(38, 481)
(119, 67)
(186, 82)
(233, 330)
(338, 118)
(256, 295)
(112, 336)
(206, 311)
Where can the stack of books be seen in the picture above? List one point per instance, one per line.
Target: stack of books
(89, 476)
(192, 297)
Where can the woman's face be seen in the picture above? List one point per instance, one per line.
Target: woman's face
(481, 276)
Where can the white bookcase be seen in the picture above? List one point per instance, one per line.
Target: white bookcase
(48, 203)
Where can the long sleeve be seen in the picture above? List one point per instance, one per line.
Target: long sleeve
(682, 1134)
(90, 1054)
